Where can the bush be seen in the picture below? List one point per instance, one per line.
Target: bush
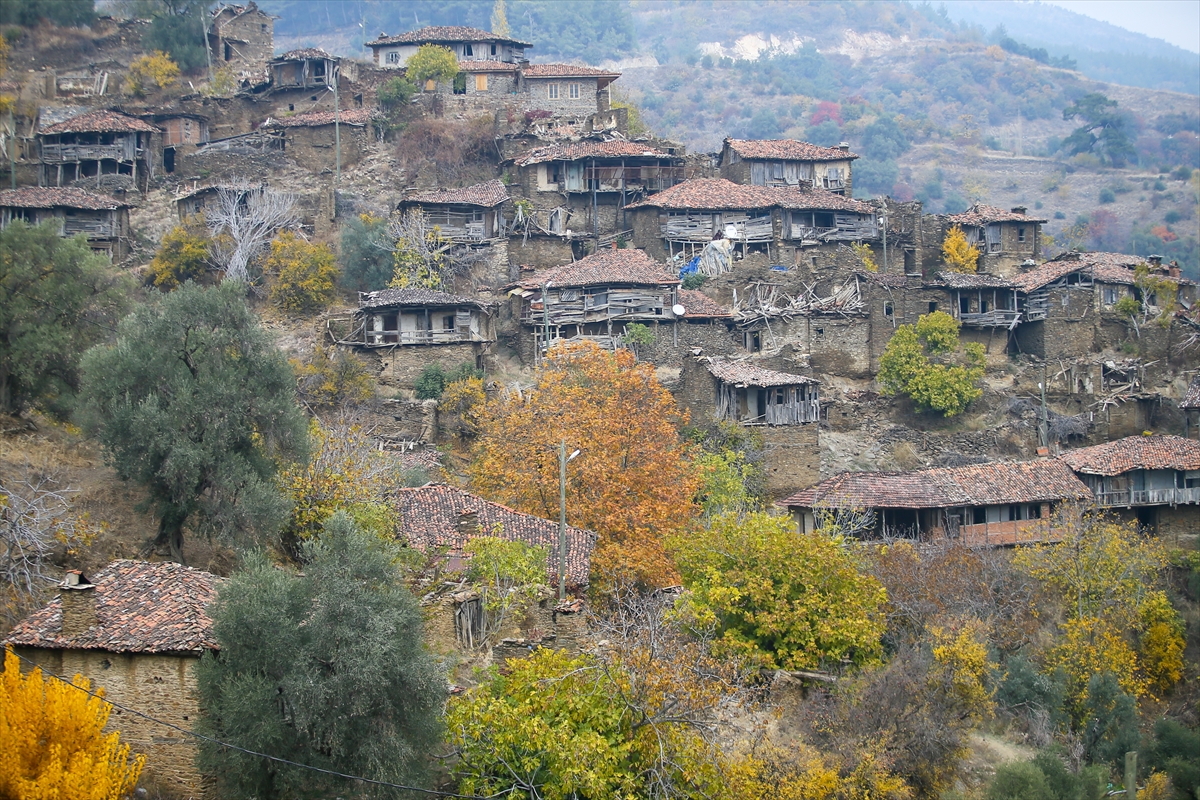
(1183, 173)
(183, 254)
(332, 379)
(1059, 215)
(957, 254)
(396, 92)
(304, 273)
(1172, 217)
(434, 379)
(906, 366)
(1107, 196)
(694, 281)
(157, 69)
(366, 254)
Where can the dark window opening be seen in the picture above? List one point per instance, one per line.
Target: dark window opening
(493, 49)
(460, 83)
(291, 106)
(964, 305)
(910, 260)
(467, 51)
(888, 310)
(313, 98)
(978, 515)
(823, 219)
(932, 306)
(1020, 234)
(169, 159)
(228, 52)
(448, 322)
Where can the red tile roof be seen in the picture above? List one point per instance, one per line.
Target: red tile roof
(698, 305)
(430, 515)
(413, 297)
(305, 53)
(69, 197)
(1135, 452)
(310, 119)
(141, 607)
(1191, 398)
(488, 194)
(1106, 267)
(101, 122)
(743, 373)
(574, 151)
(717, 194)
(619, 266)
(437, 34)
(786, 150)
(566, 71)
(979, 214)
(996, 483)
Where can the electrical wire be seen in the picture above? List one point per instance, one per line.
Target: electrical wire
(227, 745)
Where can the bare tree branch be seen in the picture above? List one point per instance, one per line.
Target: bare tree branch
(243, 222)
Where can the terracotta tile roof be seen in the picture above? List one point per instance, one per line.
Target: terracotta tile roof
(566, 71)
(1106, 267)
(141, 607)
(717, 194)
(1191, 398)
(305, 53)
(620, 266)
(698, 305)
(743, 373)
(574, 151)
(311, 119)
(437, 34)
(486, 66)
(995, 483)
(430, 515)
(786, 150)
(426, 458)
(979, 214)
(1135, 452)
(972, 280)
(69, 197)
(413, 297)
(488, 194)
(101, 122)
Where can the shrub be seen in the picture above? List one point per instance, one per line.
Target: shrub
(906, 366)
(183, 254)
(366, 254)
(432, 63)
(1172, 217)
(1183, 173)
(396, 92)
(1107, 196)
(331, 379)
(434, 379)
(694, 281)
(156, 68)
(1059, 215)
(304, 273)
(957, 253)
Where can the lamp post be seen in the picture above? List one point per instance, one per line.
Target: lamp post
(337, 129)
(563, 458)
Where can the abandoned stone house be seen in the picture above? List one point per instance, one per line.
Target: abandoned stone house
(999, 503)
(1006, 240)
(787, 162)
(472, 215)
(96, 144)
(1190, 406)
(468, 44)
(201, 199)
(100, 218)
(1154, 480)
(565, 91)
(137, 629)
(324, 140)
(787, 225)
(181, 135)
(307, 68)
(594, 299)
(242, 38)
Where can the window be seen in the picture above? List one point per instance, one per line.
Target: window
(460, 83)
(393, 57)
(481, 83)
(448, 322)
(552, 91)
(493, 49)
(262, 28)
(467, 51)
(573, 91)
(1020, 234)
(430, 85)
(1110, 295)
(932, 306)
(964, 305)
(983, 306)
(888, 311)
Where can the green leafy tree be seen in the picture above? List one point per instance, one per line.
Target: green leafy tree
(195, 403)
(59, 12)
(366, 254)
(288, 680)
(506, 573)
(917, 362)
(432, 63)
(57, 298)
(1103, 131)
(183, 255)
(778, 599)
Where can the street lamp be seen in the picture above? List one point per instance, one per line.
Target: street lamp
(563, 459)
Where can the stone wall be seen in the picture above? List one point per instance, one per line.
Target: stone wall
(791, 457)
(535, 96)
(315, 147)
(401, 366)
(542, 251)
(161, 686)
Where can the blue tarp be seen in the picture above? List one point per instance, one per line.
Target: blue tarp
(690, 267)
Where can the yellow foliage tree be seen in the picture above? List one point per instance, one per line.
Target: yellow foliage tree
(631, 484)
(461, 404)
(52, 740)
(304, 273)
(801, 772)
(961, 651)
(865, 255)
(156, 68)
(183, 254)
(957, 253)
(332, 379)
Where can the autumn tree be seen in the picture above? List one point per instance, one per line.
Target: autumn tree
(332, 378)
(155, 68)
(183, 254)
(958, 254)
(419, 253)
(304, 273)
(506, 573)
(432, 62)
(920, 361)
(499, 19)
(52, 739)
(631, 482)
(196, 404)
(778, 599)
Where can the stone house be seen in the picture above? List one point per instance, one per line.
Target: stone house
(565, 91)
(468, 44)
(242, 37)
(999, 503)
(103, 220)
(471, 215)
(324, 140)
(199, 199)
(594, 299)
(94, 144)
(308, 68)
(1190, 406)
(1006, 240)
(1152, 479)
(782, 223)
(137, 629)
(787, 162)
(181, 135)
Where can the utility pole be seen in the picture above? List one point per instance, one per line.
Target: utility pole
(885, 268)
(545, 319)
(562, 520)
(337, 132)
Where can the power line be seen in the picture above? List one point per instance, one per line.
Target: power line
(335, 773)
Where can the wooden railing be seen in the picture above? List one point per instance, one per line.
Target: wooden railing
(92, 228)
(417, 337)
(53, 153)
(996, 318)
(1149, 497)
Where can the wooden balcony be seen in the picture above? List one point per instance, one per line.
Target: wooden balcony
(1149, 497)
(996, 318)
(385, 338)
(63, 153)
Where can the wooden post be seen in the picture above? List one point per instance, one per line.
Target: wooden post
(1131, 775)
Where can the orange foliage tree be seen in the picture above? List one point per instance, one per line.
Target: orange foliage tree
(52, 740)
(632, 482)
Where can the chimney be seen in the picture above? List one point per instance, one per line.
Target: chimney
(1019, 210)
(78, 604)
(1155, 261)
(1174, 271)
(844, 146)
(468, 524)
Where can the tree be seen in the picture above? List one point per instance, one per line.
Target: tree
(631, 483)
(183, 255)
(304, 273)
(177, 27)
(779, 600)
(196, 404)
(366, 254)
(432, 63)
(1103, 131)
(332, 379)
(287, 680)
(57, 298)
(499, 19)
(907, 365)
(958, 254)
(506, 573)
(60, 12)
(156, 68)
(419, 250)
(242, 223)
(53, 741)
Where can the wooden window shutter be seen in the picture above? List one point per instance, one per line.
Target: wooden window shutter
(481, 83)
